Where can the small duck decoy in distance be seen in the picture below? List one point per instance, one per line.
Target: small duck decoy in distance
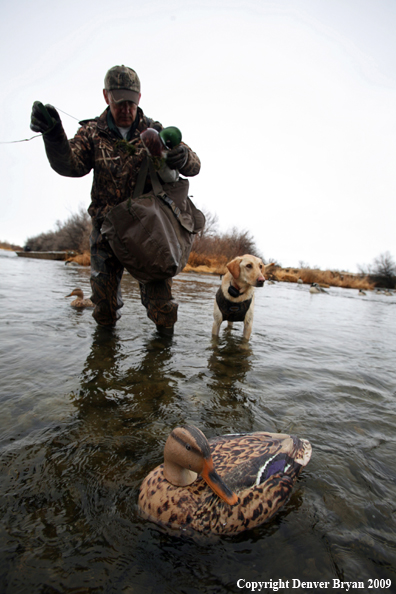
(223, 486)
(315, 288)
(361, 292)
(80, 302)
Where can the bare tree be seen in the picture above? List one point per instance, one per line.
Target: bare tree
(70, 235)
(382, 271)
(211, 224)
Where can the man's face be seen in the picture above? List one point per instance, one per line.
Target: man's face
(124, 113)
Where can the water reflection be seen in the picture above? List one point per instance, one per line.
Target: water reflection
(100, 368)
(111, 374)
(229, 362)
(126, 391)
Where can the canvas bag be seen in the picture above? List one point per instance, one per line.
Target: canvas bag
(152, 234)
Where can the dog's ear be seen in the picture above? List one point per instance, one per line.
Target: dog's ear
(234, 267)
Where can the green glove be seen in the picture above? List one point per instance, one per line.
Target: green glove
(45, 119)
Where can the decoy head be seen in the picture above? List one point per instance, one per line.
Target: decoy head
(187, 454)
(152, 142)
(171, 136)
(76, 293)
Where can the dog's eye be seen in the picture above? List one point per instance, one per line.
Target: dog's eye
(249, 266)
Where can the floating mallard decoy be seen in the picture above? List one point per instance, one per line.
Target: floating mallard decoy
(222, 486)
(361, 292)
(80, 302)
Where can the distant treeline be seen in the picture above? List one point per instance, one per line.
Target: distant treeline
(74, 234)
(211, 249)
(212, 246)
(5, 245)
(382, 272)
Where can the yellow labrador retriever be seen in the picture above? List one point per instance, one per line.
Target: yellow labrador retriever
(235, 297)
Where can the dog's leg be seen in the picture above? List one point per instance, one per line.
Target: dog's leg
(230, 325)
(247, 329)
(218, 318)
(248, 322)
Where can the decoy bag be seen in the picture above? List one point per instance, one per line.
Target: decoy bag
(152, 234)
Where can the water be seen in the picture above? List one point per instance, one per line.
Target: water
(84, 415)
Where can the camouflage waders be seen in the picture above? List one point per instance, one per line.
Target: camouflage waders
(106, 274)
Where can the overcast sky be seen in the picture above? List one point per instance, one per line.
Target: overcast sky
(290, 105)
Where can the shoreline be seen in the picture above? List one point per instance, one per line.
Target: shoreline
(324, 278)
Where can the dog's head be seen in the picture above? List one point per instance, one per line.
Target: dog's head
(247, 270)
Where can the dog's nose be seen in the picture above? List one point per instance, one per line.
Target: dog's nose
(260, 281)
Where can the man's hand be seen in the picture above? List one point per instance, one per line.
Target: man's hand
(40, 123)
(177, 157)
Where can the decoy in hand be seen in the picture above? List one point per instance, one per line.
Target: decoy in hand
(222, 486)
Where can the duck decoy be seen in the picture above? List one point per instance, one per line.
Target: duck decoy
(314, 288)
(80, 302)
(225, 485)
(361, 292)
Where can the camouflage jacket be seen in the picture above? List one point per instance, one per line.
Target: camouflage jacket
(98, 145)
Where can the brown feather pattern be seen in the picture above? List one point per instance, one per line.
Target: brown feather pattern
(239, 460)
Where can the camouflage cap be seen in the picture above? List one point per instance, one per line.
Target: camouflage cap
(123, 83)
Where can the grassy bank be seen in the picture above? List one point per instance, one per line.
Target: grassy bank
(324, 278)
(201, 264)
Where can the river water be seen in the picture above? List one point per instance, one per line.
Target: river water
(85, 413)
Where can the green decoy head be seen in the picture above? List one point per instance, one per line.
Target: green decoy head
(171, 136)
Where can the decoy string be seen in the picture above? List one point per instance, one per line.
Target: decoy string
(36, 135)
